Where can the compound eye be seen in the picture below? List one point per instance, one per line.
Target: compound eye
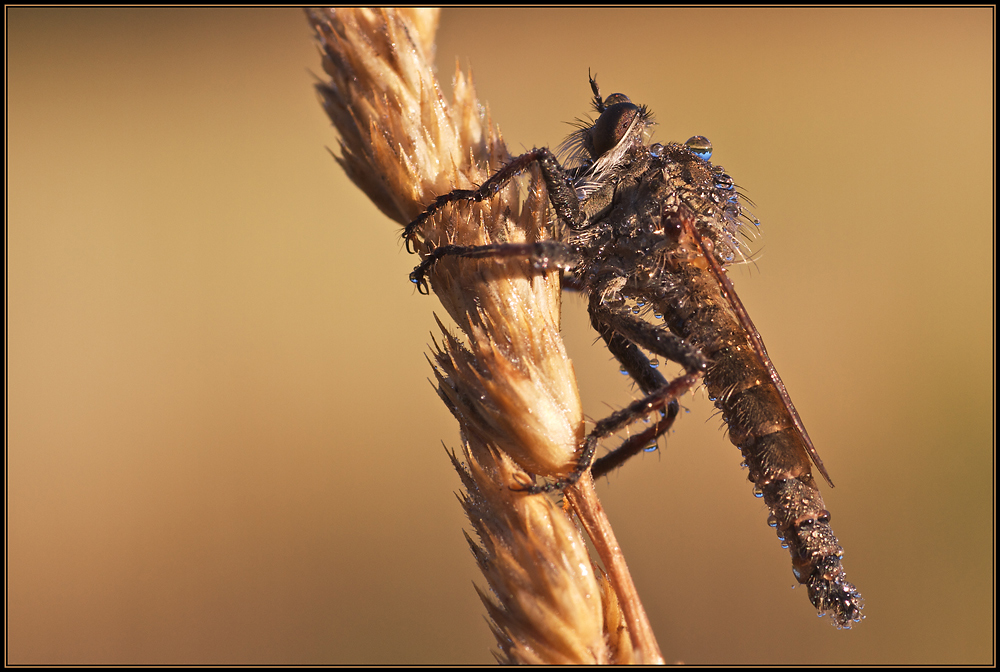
(700, 145)
(612, 125)
(615, 98)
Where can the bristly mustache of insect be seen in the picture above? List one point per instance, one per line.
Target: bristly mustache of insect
(651, 227)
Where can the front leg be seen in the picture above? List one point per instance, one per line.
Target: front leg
(562, 193)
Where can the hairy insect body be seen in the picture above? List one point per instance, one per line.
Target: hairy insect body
(654, 225)
(636, 249)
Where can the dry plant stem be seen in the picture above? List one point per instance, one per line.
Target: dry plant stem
(509, 382)
(583, 499)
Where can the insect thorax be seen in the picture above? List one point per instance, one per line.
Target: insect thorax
(628, 241)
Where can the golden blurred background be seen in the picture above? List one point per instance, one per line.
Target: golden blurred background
(222, 444)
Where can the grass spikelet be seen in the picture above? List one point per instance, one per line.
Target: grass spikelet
(546, 603)
(508, 381)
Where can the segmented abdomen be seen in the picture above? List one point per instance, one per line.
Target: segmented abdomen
(762, 428)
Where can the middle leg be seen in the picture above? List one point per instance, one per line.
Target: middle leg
(544, 255)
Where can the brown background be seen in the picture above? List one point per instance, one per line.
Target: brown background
(222, 445)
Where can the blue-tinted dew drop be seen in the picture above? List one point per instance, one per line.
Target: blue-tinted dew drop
(700, 145)
(725, 183)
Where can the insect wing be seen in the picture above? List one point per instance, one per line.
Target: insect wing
(729, 292)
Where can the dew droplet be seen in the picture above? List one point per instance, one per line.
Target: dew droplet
(656, 150)
(623, 372)
(654, 363)
(651, 448)
(658, 315)
(700, 145)
(758, 492)
(772, 521)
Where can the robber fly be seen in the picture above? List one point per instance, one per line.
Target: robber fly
(651, 227)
